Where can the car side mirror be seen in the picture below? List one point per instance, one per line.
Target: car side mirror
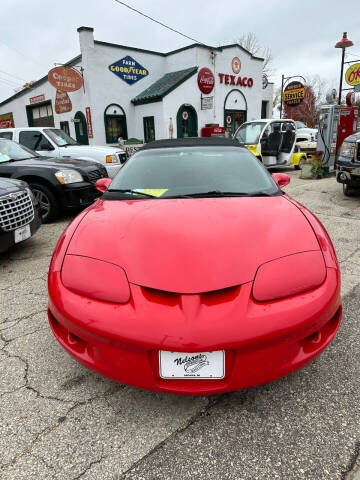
(282, 179)
(102, 184)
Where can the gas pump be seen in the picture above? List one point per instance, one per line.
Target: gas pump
(328, 130)
(349, 119)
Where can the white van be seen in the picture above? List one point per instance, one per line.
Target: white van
(54, 142)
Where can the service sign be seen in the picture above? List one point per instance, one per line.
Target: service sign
(65, 79)
(352, 74)
(62, 102)
(7, 120)
(205, 80)
(38, 98)
(128, 70)
(207, 103)
(294, 94)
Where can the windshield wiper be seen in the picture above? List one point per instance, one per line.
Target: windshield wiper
(129, 190)
(219, 193)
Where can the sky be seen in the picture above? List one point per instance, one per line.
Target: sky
(37, 33)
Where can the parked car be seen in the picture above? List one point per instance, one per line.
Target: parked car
(272, 141)
(348, 165)
(54, 142)
(58, 184)
(304, 133)
(19, 215)
(181, 277)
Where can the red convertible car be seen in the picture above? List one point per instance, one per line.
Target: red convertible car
(194, 273)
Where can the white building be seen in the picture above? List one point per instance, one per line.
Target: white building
(130, 92)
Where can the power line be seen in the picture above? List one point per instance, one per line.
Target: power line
(14, 76)
(22, 54)
(157, 21)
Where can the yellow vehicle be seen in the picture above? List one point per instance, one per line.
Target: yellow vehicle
(272, 141)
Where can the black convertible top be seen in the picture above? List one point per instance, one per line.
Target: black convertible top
(192, 142)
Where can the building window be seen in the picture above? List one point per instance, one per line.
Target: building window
(264, 109)
(149, 129)
(115, 123)
(65, 126)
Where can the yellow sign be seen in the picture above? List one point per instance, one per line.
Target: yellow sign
(294, 94)
(352, 75)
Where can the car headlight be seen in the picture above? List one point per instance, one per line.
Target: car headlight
(68, 176)
(290, 275)
(112, 159)
(95, 279)
(30, 193)
(348, 149)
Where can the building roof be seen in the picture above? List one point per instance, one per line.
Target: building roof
(163, 86)
(192, 142)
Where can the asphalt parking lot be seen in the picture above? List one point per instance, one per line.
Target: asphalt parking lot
(61, 421)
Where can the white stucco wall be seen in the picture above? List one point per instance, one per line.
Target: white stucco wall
(103, 87)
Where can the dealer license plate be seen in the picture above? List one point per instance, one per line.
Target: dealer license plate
(22, 233)
(210, 365)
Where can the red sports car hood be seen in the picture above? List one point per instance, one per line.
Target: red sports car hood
(192, 245)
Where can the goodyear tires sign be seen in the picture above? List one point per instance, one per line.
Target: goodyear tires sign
(128, 70)
(294, 94)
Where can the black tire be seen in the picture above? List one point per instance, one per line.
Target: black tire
(49, 206)
(348, 192)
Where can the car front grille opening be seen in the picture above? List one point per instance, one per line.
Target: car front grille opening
(16, 210)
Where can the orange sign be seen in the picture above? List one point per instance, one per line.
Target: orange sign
(89, 122)
(62, 102)
(7, 120)
(65, 79)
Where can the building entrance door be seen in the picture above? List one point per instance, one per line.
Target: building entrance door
(233, 120)
(81, 129)
(187, 123)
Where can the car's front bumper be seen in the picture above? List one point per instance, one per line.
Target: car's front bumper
(262, 342)
(348, 172)
(7, 239)
(78, 195)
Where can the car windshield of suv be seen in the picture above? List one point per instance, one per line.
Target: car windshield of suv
(300, 125)
(249, 133)
(192, 172)
(12, 151)
(60, 137)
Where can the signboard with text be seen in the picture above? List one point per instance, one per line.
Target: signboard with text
(7, 120)
(38, 98)
(205, 80)
(352, 75)
(89, 122)
(65, 79)
(294, 94)
(62, 102)
(128, 70)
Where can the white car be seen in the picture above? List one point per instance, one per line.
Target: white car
(54, 142)
(303, 133)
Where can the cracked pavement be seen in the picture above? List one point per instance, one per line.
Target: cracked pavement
(61, 421)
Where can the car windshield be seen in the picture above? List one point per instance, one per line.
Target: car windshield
(60, 137)
(193, 171)
(12, 151)
(300, 125)
(249, 133)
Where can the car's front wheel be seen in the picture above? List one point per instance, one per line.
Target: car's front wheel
(48, 205)
(348, 191)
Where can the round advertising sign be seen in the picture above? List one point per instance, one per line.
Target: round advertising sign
(185, 115)
(352, 74)
(236, 65)
(206, 80)
(294, 94)
(228, 119)
(65, 79)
